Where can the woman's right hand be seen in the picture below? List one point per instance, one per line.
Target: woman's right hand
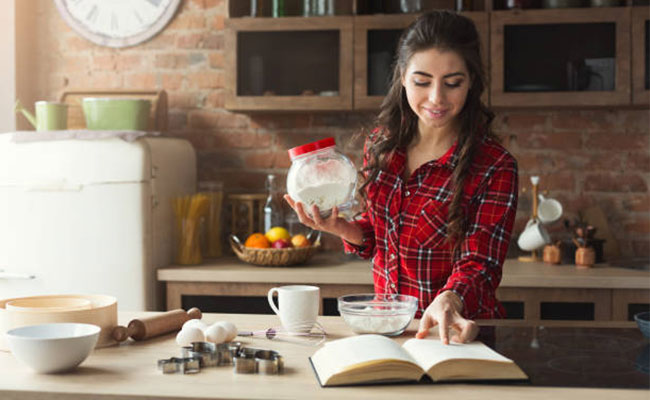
(333, 224)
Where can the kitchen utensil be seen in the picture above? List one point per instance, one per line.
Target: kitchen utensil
(104, 113)
(36, 304)
(146, 328)
(210, 354)
(384, 314)
(264, 362)
(157, 117)
(315, 337)
(103, 313)
(184, 365)
(50, 115)
(552, 254)
(50, 348)
(298, 306)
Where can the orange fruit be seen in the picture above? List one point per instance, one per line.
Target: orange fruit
(257, 240)
(277, 233)
(300, 240)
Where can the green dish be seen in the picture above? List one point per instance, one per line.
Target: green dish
(116, 114)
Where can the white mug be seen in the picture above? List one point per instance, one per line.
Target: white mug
(298, 306)
(548, 210)
(533, 237)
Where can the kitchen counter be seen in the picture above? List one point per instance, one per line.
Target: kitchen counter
(128, 371)
(610, 289)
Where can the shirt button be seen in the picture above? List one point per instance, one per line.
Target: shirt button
(392, 286)
(392, 256)
(407, 193)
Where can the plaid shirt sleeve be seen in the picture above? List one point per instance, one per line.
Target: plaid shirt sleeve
(477, 273)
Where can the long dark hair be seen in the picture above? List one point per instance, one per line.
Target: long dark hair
(448, 31)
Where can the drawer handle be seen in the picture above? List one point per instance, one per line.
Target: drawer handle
(15, 275)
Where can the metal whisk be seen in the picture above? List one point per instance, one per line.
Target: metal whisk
(313, 337)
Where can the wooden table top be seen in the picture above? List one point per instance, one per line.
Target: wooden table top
(338, 269)
(128, 371)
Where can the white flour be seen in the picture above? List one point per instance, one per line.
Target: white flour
(377, 324)
(325, 195)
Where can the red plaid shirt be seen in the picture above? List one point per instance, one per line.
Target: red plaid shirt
(405, 229)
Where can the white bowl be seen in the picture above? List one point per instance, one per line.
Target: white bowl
(50, 348)
(384, 314)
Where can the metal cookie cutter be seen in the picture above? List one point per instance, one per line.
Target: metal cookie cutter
(185, 365)
(245, 361)
(206, 352)
(269, 362)
(227, 351)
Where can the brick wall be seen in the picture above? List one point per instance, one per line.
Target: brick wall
(584, 158)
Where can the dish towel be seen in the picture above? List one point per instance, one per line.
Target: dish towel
(80, 134)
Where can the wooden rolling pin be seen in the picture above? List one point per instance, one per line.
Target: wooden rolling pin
(145, 328)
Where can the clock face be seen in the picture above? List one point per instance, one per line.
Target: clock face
(117, 23)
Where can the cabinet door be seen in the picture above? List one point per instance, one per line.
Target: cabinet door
(571, 57)
(289, 64)
(375, 43)
(641, 55)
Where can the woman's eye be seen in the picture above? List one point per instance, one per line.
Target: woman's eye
(421, 83)
(454, 84)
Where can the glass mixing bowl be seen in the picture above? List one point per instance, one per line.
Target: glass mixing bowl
(384, 314)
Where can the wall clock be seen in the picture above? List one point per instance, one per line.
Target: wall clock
(117, 23)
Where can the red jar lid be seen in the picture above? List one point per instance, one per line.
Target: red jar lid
(309, 147)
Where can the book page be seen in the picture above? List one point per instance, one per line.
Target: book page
(356, 351)
(429, 352)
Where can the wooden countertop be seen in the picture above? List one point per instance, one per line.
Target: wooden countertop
(128, 371)
(331, 268)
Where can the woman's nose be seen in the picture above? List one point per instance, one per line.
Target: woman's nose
(436, 93)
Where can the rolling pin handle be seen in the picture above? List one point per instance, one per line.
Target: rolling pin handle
(120, 333)
(194, 313)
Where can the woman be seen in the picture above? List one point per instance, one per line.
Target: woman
(441, 192)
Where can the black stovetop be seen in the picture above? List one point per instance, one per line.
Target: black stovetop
(575, 357)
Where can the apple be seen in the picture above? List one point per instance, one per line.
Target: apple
(281, 244)
(300, 240)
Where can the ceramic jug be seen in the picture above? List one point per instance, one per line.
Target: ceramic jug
(50, 116)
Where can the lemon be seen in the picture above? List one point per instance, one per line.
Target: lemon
(276, 233)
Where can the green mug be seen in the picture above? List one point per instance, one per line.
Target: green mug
(50, 115)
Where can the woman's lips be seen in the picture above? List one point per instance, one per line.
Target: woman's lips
(435, 114)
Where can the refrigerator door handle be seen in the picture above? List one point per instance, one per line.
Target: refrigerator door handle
(14, 275)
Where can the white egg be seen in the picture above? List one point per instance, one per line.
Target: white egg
(196, 322)
(216, 334)
(188, 335)
(230, 328)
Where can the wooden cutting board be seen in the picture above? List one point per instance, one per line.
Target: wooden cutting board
(76, 119)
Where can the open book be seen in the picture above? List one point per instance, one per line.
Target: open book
(376, 359)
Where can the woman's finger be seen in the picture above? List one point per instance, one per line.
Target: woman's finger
(468, 331)
(426, 323)
(315, 212)
(443, 328)
(302, 216)
(289, 200)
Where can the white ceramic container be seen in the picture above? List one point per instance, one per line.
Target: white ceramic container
(51, 348)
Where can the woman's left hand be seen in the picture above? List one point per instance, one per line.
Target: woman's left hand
(445, 312)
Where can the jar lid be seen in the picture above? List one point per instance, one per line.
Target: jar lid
(309, 147)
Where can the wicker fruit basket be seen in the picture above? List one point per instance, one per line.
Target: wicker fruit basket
(274, 257)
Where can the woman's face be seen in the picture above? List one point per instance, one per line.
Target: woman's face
(436, 84)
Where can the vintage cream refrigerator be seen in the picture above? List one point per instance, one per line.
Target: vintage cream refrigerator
(90, 216)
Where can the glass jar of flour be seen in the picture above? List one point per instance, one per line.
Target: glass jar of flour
(321, 176)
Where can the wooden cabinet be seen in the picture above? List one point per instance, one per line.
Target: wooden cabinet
(569, 57)
(375, 42)
(576, 57)
(289, 63)
(641, 55)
